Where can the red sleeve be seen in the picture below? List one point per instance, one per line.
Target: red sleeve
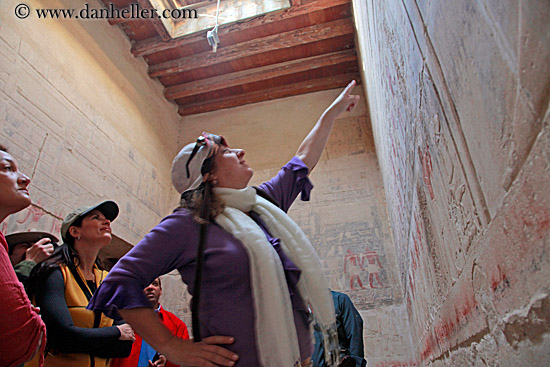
(21, 328)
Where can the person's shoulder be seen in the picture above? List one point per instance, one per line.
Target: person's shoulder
(180, 211)
(179, 214)
(341, 296)
(171, 316)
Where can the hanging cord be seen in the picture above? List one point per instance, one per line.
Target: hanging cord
(205, 216)
(217, 13)
(212, 35)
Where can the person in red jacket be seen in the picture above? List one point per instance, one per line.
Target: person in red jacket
(143, 355)
(22, 331)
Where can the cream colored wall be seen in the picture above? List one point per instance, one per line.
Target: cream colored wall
(79, 113)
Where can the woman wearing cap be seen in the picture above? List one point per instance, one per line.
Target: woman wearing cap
(63, 285)
(22, 332)
(261, 274)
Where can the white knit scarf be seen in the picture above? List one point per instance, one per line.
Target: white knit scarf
(274, 321)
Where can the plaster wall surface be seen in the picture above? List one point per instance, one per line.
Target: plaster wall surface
(84, 121)
(458, 97)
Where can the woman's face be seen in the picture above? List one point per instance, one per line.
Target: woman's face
(95, 228)
(230, 169)
(14, 195)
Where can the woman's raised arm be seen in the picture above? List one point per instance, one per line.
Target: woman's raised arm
(312, 147)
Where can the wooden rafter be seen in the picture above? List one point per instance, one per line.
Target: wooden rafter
(269, 94)
(258, 74)
(286, 40)
(305, 48)
(157, 44)
(125, 10)
(157, 23)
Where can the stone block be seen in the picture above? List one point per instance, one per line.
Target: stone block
(9, 36)
(482, 82)
(33, 59)
(534, 53)
(514, 256)
(37, 96)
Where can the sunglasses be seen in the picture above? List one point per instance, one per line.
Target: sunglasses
(210, 142)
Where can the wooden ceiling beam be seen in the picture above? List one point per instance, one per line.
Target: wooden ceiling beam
(284, 40)
(120, 20)
(269, 94)
(157, 23)
(258, 74)
(157, 44)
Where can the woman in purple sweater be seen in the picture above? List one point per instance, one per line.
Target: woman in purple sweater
(262, 279)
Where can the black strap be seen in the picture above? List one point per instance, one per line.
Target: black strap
(205, 216)
(88, 294)
(81, 283)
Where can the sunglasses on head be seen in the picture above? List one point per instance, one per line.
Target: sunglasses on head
(210, 142)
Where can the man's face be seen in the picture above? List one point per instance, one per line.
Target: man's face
(19, 252)
(153, 292)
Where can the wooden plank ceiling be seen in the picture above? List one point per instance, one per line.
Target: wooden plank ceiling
(305, 48)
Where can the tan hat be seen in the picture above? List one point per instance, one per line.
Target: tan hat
(188, 167)
(30, 237)
(108, 208)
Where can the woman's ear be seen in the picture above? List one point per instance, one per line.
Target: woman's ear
(74, 231)
(212, 178)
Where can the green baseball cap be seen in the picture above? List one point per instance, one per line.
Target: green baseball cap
(108, 208)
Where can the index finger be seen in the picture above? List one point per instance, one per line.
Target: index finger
(349, 87)
(43, 241)
(218, 355)
(219, 340)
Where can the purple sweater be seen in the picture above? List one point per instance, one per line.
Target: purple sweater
(226, 306)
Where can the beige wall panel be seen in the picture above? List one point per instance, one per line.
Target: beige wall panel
(85, 122)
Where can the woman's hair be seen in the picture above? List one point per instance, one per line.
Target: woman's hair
(69, 237)
(65, 254)
(192, 200)
(3, 148)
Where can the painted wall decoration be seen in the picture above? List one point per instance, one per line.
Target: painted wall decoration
(33, 218)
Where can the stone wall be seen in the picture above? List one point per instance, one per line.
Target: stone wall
(84, 121)
(458, 95)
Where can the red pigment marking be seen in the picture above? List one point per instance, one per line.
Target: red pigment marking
(418, 226)
(33, 212)
(409, 306)
(397, 364)
(427, 169)
(393, 146)
(428, 348)
(542, 224)
(444, 329)
(497, 280)
(537, 217)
